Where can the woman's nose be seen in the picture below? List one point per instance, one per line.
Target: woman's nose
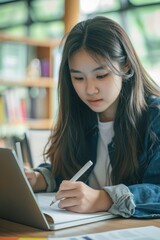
(91, 88)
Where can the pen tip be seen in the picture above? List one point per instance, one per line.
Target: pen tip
(51, 203)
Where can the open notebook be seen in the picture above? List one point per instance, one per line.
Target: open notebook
(18, 203)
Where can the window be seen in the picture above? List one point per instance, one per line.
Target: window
(140, 19)
(35, 18)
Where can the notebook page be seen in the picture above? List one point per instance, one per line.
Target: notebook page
(61, 215)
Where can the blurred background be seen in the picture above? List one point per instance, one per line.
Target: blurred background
(30, 32)
(45, 19)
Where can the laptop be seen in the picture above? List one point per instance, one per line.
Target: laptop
(18, 203)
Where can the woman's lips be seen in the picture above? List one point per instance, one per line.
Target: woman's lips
(94, 102)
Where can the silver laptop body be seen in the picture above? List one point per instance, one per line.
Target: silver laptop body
(17, 200)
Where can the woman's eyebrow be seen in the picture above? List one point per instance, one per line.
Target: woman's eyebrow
(98, 68)
(74, 70)
(95, 69)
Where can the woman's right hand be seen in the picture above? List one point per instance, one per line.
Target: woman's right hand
(36, 180)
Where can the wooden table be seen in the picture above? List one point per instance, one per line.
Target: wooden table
(9, 229)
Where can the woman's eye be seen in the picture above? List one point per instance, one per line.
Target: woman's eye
(102, 76)
(78, 78)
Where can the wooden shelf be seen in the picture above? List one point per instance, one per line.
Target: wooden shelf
(40, 82)
(29, 41)
(40, 123)
(42, 50)
(30, 123)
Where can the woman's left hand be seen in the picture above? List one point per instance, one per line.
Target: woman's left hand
(78, 197)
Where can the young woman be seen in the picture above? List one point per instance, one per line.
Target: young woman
(109, 113)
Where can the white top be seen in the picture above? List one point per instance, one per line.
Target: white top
(100, 176)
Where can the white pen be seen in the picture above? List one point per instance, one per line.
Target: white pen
(79, 174)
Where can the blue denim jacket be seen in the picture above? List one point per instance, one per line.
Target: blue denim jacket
(145, 193)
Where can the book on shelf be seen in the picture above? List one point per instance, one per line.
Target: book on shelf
(38, 103)
(20, 104)
(14, 103)
(2, 109)
(45, 68)
(13, 61)
(19, 60)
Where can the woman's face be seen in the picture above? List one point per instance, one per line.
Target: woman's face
(96, 85)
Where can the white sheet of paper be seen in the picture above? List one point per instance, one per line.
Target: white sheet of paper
(141, 233)
(60, 215)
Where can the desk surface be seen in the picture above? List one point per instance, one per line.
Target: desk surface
(8, 228)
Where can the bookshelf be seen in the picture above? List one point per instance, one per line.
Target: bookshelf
(27, 82)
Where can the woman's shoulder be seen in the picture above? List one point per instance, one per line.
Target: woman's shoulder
(153, 104)
(153, 101)
(153, 109)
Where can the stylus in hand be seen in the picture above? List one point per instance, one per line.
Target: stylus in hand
(78, 175)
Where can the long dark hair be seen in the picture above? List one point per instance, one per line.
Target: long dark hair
(102, 37)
